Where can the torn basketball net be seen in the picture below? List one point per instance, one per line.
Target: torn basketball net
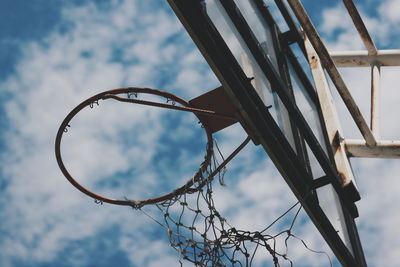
(192, 222)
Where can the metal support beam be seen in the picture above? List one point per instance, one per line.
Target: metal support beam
(389, 57)
(291, 23)
(333, 72)
(332, 122)
(383, 149)
(375, 99)
(360, 26)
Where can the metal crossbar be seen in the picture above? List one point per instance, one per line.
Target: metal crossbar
(371, 146)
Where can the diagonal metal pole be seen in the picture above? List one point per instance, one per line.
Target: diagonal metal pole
(360, 26)
(333, 72)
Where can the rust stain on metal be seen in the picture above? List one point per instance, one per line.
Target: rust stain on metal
(218, 101)
(313, 62)
(343, 178)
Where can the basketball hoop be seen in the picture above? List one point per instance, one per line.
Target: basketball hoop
(177, 103)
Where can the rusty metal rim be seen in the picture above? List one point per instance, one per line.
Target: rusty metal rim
(127, 202)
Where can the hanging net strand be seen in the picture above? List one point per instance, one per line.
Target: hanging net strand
(201, 235)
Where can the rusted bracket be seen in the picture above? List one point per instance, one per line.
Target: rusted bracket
(218, 101)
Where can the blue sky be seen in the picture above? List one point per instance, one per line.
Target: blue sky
(54, 54)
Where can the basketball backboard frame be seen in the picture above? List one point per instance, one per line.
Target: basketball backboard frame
(292, 160)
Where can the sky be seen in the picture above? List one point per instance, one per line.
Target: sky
(55, 54)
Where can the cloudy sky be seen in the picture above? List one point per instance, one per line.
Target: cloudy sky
(55, 54)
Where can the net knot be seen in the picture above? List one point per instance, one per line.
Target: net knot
(170, 232)
(258, 235)
(66, 128)
(94, 102)
(98, 201)
(136, 205)
(224, 234)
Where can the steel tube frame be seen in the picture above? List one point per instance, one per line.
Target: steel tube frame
(383, 149)
(333, 72)
(374, 59)
(361, 58)
(375, 67)
(375, 99)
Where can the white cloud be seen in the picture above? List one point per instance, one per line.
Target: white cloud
(45, 212)
(337, 29)
(334, 19)
(389, 11)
